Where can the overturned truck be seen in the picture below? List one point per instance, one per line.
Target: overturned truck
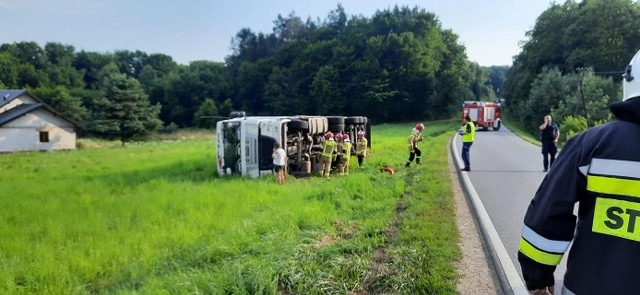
(245, 144)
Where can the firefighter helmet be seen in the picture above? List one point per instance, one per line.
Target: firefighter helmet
(339, 136)
(631, 81)
(346, 137)
(419, 126)
(328, 135)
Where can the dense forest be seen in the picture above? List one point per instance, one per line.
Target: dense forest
(572, 63)
(398, 65)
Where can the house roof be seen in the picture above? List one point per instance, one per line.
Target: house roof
(7, 95)
(18, 111)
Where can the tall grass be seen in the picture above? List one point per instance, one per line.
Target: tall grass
(154, 218)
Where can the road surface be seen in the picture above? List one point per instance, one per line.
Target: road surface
(505, 174)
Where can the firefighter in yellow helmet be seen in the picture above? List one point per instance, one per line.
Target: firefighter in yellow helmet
(328, 148)
(412, 143)
(600, 170)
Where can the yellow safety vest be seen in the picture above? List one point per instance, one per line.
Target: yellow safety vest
(361, 146)
(414, 138)
(470, 136)
(339, 148)
(346, 147)
(327, 149)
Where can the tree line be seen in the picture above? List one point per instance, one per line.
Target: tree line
(572, 63)
(398, 65)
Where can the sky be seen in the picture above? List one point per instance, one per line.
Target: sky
(188, 30)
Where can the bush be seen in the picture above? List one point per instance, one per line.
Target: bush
(171, 128)
(572, 126)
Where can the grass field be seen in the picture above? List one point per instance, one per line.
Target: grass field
(154, 218)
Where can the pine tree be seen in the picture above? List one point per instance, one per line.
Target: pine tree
(126, 111)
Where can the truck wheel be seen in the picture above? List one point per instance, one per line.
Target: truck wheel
(298, 125)
(496, 126)
(336, 127)
(333, 120)
(353, 120)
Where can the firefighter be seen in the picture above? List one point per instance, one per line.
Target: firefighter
(328, 147)
(361, 148)
(600, 169)
(414, 138)
(346, 155)
(337, 152)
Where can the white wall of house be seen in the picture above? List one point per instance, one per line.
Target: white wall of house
(16, 102)
(23, 134)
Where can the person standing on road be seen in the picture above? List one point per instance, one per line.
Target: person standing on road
(468, 136)
(599, 169)
(361, 148)
(327, 154)
(549, 137)
(279, 160)
(414, 138)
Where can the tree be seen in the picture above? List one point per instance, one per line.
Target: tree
(325, 92)
(62, 101)
(8, 70)
(547, 91)
(127, 113)
(207, 114)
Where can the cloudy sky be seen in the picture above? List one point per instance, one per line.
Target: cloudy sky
(191, 30)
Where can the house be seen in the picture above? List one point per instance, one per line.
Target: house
(29, 124)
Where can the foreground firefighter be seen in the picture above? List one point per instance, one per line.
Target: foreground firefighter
(600, 170)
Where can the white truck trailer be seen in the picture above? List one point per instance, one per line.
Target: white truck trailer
(244, 144)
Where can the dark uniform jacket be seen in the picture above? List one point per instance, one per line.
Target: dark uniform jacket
(600, 169)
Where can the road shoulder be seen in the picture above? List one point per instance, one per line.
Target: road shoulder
(476, 275)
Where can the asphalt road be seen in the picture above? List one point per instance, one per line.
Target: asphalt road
(505, 173)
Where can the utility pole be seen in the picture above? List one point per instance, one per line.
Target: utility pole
(581, 71)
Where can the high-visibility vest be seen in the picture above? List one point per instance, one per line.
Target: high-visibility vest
(414, 138)
(327, 149)
(339, 148)
(346, 150)
(361, 147)
(470, 136)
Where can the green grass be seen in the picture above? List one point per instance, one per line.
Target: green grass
(154, 218)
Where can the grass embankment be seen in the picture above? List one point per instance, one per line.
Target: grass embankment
(154, 219)
(518, 129)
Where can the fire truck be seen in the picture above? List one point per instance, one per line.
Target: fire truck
(483, 113)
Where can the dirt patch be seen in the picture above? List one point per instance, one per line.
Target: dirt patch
(324, 241)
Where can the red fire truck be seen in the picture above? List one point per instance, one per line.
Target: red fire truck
(483, 113)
